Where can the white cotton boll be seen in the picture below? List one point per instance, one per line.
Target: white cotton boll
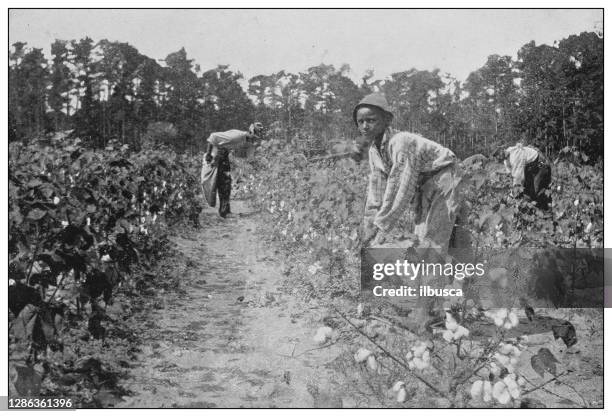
(425, 356)
(419, 363)
(106, 258)
(513, 318)
(487, 391)
(451, 323)
(322, 334)
(402, 394)
(503, 359)
(447, 335)
(65, 223)
(495, 370)
(361, 355)
(500, 392)
(397, 386)
(461, 332)
(508, 325)
(372, 363)
(409, 356)
(510, 382)
(515, 393)
(499, 322)
(506, 348)
(589, 228)
(419, 349)
(56, 201)
(88, 221)
(476, 390)
(576, 202)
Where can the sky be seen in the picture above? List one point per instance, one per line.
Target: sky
(266, 41)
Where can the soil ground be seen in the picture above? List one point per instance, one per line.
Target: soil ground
(231, 336)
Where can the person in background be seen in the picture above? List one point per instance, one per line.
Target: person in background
(411, 178)
(530, 170)
(219, 145)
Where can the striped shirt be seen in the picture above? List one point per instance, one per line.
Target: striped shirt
(395, 173)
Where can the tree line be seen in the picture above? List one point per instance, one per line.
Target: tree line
(549, 96)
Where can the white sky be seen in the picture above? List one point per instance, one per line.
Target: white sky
(265, 41)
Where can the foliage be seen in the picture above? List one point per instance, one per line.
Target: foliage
(550, 96)
(80, 223)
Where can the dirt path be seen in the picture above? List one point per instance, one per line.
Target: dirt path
(231, 338)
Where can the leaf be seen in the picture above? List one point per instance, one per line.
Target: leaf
(97, 283)
(565, 331)
(44, 279)
(531, 403)
(20, 295)
(28, 382)
(544, 361)
(36, 214)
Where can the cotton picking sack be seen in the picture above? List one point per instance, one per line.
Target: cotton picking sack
(208, 179)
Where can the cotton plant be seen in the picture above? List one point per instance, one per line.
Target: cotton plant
(503, 317)
(418, 356)
(454, 331)
(508, 356)
(364, 355)
(501, 391)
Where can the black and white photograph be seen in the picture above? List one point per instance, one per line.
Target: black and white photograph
(241, 208)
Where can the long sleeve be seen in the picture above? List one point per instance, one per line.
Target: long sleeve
(517, 157)
(231, 139)
(410, 156)
(400, 190)
(376, 188)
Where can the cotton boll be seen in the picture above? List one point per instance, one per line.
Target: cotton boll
(503, 359)
(420, 363)
(487, 391)
(447, 335)
(397, 386)
(361, 355)
(495, 370)
(402, 394)
(425, 356)
(461, 332)
(510, 382)
(372, 363)
(513, 318)
(451, 323)
(500, 392)
(323, 333)
(476, 390)
(420, 349)
(409, 356)
(515, 393)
